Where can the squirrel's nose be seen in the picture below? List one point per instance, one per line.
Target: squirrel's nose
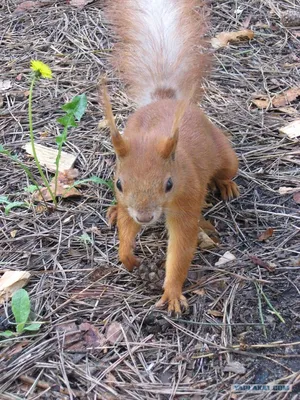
(144, 218)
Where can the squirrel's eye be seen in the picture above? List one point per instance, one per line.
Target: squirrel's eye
(169, 185)
(119, 185)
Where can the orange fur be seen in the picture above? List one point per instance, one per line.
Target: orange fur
(172, 154)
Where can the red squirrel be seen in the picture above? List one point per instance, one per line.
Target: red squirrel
(169, 152)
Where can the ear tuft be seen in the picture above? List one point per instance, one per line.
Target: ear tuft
(120, 144)
(167, 146)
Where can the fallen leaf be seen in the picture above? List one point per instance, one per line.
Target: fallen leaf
(91, 335)
(261, 101)
(223, 38)
(288, 190)
(27, 6)
(80, 3)
(200, 292)
(15, 349)
(79, 338)
(103, 124)
(215, 313)
(265, 235)
(10, 282)
(227, 257)
(296, 197)
(114, 332)
(205, 242)
(236, 367)
(289, 111)
(258, 261)
(5, 84)
(292, 130)
(13, 233)
(279, 100)
(286, 97)
(64, 187)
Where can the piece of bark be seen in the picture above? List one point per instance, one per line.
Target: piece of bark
(47, 157)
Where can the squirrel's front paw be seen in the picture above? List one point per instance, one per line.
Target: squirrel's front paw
(175, 300)
(228, 189)
(112, 214)
(130, 261)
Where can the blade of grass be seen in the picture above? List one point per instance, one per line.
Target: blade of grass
(261, 316)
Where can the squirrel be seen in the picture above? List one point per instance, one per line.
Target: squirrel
(170, 152)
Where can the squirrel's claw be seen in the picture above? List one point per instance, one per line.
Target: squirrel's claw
(176, 302)
(130, 261)
(228, 189)
(112, 214)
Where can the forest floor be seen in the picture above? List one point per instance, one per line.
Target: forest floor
(102, 337)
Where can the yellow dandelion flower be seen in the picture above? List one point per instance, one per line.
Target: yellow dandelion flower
(41, 69)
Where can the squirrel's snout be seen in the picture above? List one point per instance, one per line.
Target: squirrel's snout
(145, 218)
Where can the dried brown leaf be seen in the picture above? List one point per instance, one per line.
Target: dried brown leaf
(114, 332)
(215, 313)
(200, 292)
(64, 182)
(296, 197)
(223, 38)
(27, 6)
(286, 97)
(261, 101)
(265, 235)
(79, 338)
(258, 261)
(205, 242)
(10, 282)
(292, 130)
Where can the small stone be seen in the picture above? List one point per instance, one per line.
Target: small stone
(153, 277)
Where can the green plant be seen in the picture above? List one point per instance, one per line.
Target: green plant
(261, 294)
(20, 305)
(11, 204)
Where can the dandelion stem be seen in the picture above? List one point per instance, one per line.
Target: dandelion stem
(32, 142)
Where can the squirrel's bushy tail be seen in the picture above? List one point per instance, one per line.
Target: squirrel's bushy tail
(159, 50)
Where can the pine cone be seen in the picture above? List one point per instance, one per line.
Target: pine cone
(152, 275)
(290, 18)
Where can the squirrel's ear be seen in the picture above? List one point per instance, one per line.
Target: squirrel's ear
(120, 144)
(167, 146)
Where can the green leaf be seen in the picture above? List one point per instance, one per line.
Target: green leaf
(4, 199)
(31, 188)
(7, 334)
(76, 106)
(95, 179)
(67, 121)
(35, 326)
(14, 204)
(86, 238)
(20, 305)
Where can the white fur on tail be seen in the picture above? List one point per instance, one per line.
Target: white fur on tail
(158, 53)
